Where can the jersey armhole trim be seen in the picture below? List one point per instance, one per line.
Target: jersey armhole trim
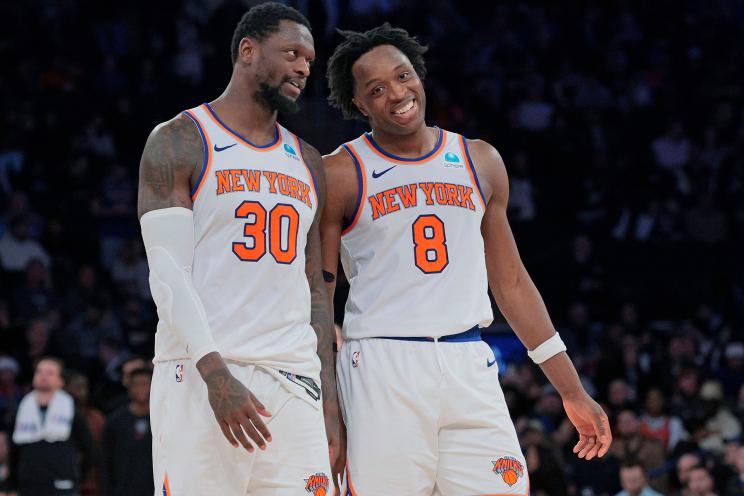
(207, 156)
(361, 189)
(310, 172)
(471, 170)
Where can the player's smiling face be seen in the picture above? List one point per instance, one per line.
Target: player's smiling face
(388, 91)
(283, 65)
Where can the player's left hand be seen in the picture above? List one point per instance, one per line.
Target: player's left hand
(592, 425)
(336, 433)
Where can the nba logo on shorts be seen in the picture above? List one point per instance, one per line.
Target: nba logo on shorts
(355, 358)
(179, 372)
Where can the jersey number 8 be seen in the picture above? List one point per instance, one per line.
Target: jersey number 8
(429, 244)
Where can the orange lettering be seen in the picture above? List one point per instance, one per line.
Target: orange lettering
(252, 179)
(235, 180)
(271, 178)
(451, 194)
(428, 188)
(390, 201)
(407, 195)
(378, 206)
(223, 181)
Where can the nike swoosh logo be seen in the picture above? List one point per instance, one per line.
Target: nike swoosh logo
(221, 148)
(376, 174)
(489, 363)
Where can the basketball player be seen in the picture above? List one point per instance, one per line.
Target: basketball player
(419, 215)
(229, 204)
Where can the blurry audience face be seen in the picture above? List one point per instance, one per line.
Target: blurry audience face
(632, 479)
(685, 464)
(700, 482)
(3, 447)
(139, 388)
(655, 403)
(739, 460)
(77, 386)
(48, 376)
(619, 392)
(129, 366)
(627, 424)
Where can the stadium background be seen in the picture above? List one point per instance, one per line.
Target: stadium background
(621, 124)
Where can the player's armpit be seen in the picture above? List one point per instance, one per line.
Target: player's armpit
(172, 155)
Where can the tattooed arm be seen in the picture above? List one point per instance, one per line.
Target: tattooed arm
(321, 317)
(171, 161)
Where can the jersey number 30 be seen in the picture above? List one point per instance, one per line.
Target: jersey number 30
(283, 224)
(429, 244)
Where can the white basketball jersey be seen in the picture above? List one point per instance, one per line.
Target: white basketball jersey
(253, 207)
(414, 252)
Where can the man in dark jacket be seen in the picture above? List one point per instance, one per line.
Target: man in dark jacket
(127, 442)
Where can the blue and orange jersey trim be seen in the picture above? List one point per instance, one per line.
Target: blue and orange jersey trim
(361, 189)
(166, 486)
(207, 155)
(438, 147)
(259, 148)
(471, 169)
(313, 182)
(349, 486)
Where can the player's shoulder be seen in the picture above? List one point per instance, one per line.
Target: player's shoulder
(338, 160)
(176, 138)
(489, 166)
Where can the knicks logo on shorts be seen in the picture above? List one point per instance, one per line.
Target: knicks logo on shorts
(510, 469)
(317, 484)
(179, 372)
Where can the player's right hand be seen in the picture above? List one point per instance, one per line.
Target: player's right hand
(237, 410)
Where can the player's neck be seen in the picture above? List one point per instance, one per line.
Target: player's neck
(413, 145)
(238, 108)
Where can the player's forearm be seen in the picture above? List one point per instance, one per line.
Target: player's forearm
(523, 307)
(321, 319)
(561, 373)
(525, 311)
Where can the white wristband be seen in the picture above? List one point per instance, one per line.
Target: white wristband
(548, 349)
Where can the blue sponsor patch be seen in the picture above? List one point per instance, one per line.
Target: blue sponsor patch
(451, 157)
(289, 149)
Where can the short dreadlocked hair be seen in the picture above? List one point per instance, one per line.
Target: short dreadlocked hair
(263, 20)
(356, 44)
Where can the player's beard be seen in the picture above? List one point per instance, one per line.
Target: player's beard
(272, 98)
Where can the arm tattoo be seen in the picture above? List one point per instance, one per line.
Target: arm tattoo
(226, 393)
(328, 277)
(321, 314)
(172, 152)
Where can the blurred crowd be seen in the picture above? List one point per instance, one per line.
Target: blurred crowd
(622, 127)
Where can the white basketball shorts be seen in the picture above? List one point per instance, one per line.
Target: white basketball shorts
(191, 456)
(427, 418)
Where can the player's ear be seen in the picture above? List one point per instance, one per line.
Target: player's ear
(360, 107)
(247, 50)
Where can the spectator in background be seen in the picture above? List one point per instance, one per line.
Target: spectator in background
(546, 475)
(113, 392)
(4, 465)
(36, 295)
(630, 443)
(633, 480)
(685, 463)
(732, 371)
(128, 442)
(10, 392)
(700, 483)
(656, 424)
(735, 485)
(77, 386)
(17, 248)
(720, 423)
(52, 448)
